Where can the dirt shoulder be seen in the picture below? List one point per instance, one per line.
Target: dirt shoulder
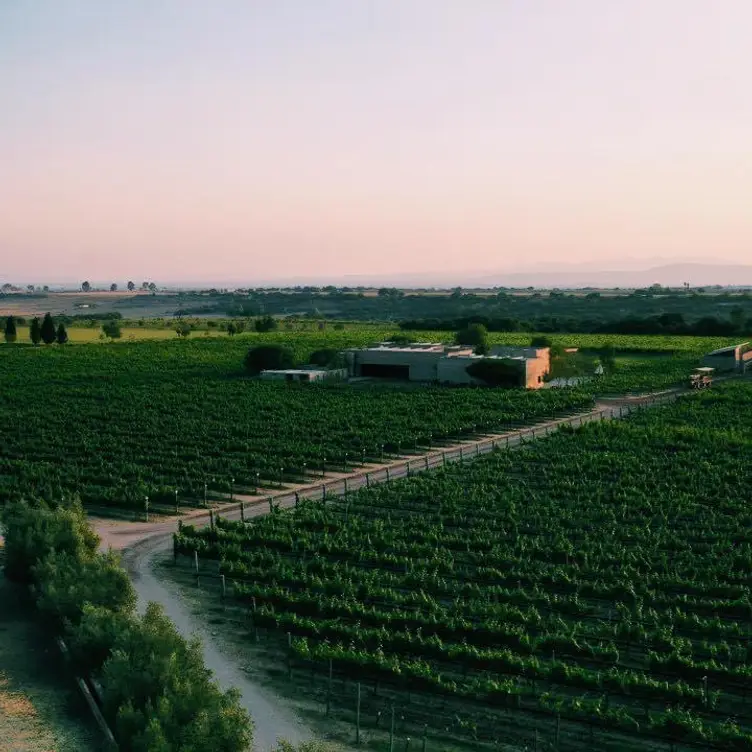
(40, 709)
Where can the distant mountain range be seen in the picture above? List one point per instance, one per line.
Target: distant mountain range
(669, 275)
(676, 274)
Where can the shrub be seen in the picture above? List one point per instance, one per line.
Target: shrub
(493, 372)
(268, 357)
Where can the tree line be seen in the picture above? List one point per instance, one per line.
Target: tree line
(662, 324)
(39, 331)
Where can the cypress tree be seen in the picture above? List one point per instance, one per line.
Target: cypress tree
(10, 329)
(48, 329)
(62, 334)
(35, 331)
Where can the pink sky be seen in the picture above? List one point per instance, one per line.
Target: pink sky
(251, 140)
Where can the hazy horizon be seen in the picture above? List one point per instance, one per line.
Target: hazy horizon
(275, 140)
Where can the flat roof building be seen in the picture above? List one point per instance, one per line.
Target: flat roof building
(305, 375)
(735, 358)
(433, 362)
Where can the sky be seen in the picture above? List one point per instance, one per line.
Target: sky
(262, 139)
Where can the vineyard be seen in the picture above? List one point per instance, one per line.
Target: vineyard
(597, 579)
(118, 423)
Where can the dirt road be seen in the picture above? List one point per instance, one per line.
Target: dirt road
(272, 719)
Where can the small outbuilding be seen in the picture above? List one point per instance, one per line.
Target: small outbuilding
(304, 375)
(733, 359)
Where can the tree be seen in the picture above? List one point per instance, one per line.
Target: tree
(474, 335)
(268, 357)
(144, 285)
(48, 331)
(400, 339)
(10, 329)
(503, 373)
(327, 357)
(46, 288)
(152, 287)
(112, 329)
(30, 288)
(607, 355)
(183, 329)
(62, 335)
(33, 530)
(161, 696)
(266, 324)
(86, 287)
(67, 582)
(131, 286)
(35, 331)
(113, 287)
(541, 341)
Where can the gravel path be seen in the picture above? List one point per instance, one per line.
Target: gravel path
(272, 718)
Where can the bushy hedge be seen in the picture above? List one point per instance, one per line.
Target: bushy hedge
(158, 695)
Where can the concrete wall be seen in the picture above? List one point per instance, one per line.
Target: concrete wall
(422, 365)
(304, 376)
(536, 369)
(432, 365)
(723, 362)
(454, 371)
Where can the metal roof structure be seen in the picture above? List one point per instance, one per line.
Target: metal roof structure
(730, 348)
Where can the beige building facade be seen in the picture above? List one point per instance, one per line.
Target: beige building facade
(436, 363)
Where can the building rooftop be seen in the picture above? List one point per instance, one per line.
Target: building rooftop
(412, 347)
(295, 371)
(730, 348)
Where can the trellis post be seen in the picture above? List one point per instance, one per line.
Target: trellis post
(357, 716)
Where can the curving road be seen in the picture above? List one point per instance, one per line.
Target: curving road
(272, 718)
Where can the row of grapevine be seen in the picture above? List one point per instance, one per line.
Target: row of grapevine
(604, 572)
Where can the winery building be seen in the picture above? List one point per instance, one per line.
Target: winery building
(733, 359)
(433, 362)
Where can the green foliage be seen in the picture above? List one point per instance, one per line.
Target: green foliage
(118, 453)
(183, 329)
(10, 329)
(474, 335)
(90, 640)
(607, 355)
(33, 530)
(496, 372)
(112, 329)
(48, 330)
(327, 357)
(592, 575)
(266, 324)
(158, 694)
(35, 331)
(399, 339)
(68, 583)
(541, 340)
(159, 691)
(268, 357)
(61, 335)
